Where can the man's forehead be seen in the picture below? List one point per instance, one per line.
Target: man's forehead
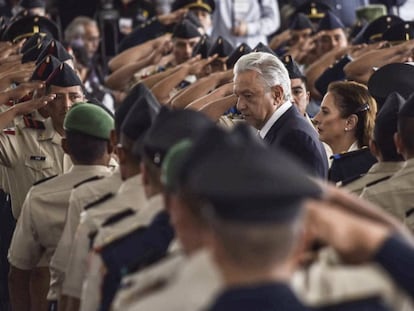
(66, 90)
(190, 40)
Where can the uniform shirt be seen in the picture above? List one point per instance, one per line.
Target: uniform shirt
(43, 215)
(377, 172)
(396, 195)
(94, 277)
(328, 281)
(148, 281)
(198, 281)
(30, 155)
(262, 18)
(130, 195)
(80, 196)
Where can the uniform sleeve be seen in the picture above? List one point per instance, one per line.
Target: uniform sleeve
(25, 249)
(269, 20)
(397, 257)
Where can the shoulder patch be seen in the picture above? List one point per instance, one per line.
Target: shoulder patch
(118, 217)
(43, 180)
(33, 124)
(377, 181)
(99, 201)
(88, 180)
(9, 131)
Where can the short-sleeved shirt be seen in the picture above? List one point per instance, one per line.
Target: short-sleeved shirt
(29, 155)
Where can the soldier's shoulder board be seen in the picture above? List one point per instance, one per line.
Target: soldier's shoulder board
(93, 178)
(377, 181)
(99, 201)
(43, 180)
(118, 217)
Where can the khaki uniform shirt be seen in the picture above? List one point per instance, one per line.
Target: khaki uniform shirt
(30, 155)
(130, 195)
(79, 198)
(328, 281)
(198, 281)
(149, 281)
(378, 171)
(43, 215)
(106, 235)
(396, 195)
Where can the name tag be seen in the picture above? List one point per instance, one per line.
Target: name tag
(37, 158)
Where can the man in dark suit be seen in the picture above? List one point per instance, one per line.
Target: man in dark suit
(262, 85)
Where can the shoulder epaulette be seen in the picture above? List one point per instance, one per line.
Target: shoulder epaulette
(377, 181)
(43, 180)
(118, 217)
(33, 124)
(350, 179)
(99, 201)
(9, 131)
(343, 155)
(97, 177)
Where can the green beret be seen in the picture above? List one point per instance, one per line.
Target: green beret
(172, 163)
(89, 119)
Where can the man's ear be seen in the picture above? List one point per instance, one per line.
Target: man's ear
(278, 94)
(374, 148)
(399, 145)
(65, 146)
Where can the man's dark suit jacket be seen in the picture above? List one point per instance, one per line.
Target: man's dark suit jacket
(293, 133)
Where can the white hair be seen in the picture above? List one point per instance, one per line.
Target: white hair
(270, 68)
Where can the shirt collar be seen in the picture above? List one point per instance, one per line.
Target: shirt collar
(275, 116)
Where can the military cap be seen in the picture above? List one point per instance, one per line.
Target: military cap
(386, 123)
(185, 30)
(56, 49)
(45, 68)
(315, 10)
(202, 47)
(207, 5)
(31, 4)
(330, 22)
(238, 52)
(370, 12)
(140, 116)
(244, 180)
(374, 30)
(27, 26)
(191, 17)
(64, 76)
(169, 127)
(32, 54)
(133, 95)
(380, 85)
(403, 31)
(89, 119)
(260, 47)
(407, 110)
(292, 67)
(300, 22)
(35, 40)
(221, 47)
(331, 74)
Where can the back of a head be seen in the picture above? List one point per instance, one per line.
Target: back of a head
(270, 68)
(354, 98)
(247, 191)
(386, 127)
(87, 128)
(406, 126)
